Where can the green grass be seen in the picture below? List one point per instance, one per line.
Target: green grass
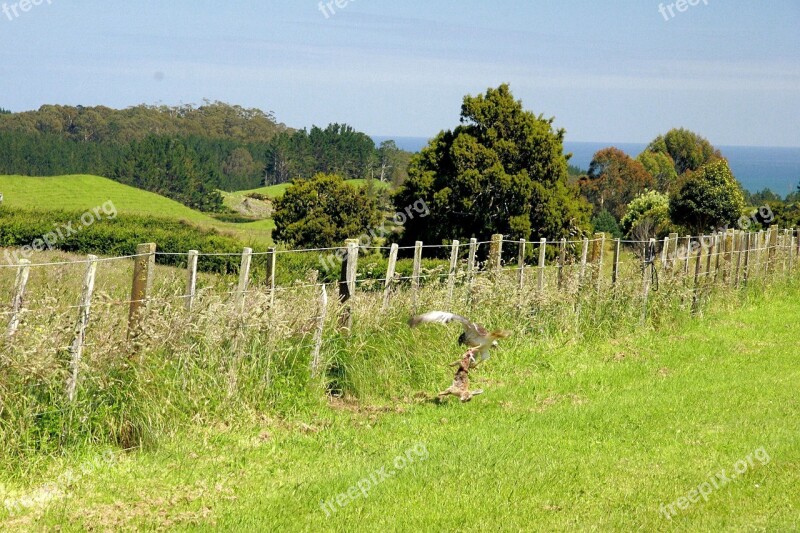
(84, 192)
(274, 191)
(571, 434)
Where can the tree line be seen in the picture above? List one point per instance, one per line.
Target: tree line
(187, 153)
(503, 170)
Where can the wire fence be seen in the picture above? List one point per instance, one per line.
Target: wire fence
(126, 305)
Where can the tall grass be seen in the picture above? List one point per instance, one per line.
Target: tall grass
(217, 363)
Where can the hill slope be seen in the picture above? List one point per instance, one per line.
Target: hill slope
(84, 192)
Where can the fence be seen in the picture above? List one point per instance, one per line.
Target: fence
(598, 267)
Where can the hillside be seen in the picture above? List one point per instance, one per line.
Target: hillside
(84, 192)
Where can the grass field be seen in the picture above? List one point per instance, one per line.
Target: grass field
(594, 434)
(274, 191)
(82, 192)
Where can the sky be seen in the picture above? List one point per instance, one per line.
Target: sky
(608, 71)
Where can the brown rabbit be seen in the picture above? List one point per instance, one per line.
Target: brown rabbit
(460, 386)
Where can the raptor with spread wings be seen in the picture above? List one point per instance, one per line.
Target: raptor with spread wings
(475, 336)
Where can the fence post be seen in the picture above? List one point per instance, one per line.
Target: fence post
(791, 251)
(747, 241)
(23, 273)
(600, 244)
(673, 249)
(542, 259)
(473, 250)
(772, 242)
(584, 254)
(415, 275)
(665, 252)
(244, 278)
(521, 267)
(687, 254)
(647, 261)
(143, 271)
(615, 271)
(451, 275)
(738, 244)
(387, 288)
(495, 254)
(709, 254)
(347, 283)
(76, 348)
(697, 262)
(191, 278)
(562, 259)
(272, 257)
(323, 312)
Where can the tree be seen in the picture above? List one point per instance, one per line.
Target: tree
(709, 198)
(322, 212)
(606, 223)
(688, 150)
(661, 167)
(613, 180)
(502, 170)
(4, 111)
(647, 216)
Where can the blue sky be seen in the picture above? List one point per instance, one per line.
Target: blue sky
(613, 71)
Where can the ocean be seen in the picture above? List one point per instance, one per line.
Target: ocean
(755, 167)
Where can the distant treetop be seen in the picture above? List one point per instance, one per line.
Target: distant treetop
(103, 124)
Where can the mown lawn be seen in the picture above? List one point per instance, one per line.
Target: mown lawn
(591, 435)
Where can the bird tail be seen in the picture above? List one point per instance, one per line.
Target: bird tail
(500, 334)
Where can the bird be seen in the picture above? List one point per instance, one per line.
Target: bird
(475, 336)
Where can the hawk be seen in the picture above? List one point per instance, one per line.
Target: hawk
(476, 337)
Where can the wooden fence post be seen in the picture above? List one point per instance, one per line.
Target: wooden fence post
(347, 283)
(562, 259)
(23, 273)
(143, 272)
(496, 254)
(748, 237)
(665, 252)
(387, 287)
(615, 271)
(718, 243)
(244, 278)
(473, 250)
(584, 255)
(772, 244)
(600, 250)
(542, 260)
(697, 263)
(709, 253)
(521, 267)
(416, 275)
(76, 348)
(687, 255)
(191, 279)
(647, 263)
(739, 248)
(672, 253)
(323, 312)
(272, 257)
(451, 274)
(791, 250)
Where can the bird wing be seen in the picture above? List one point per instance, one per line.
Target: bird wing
(441, 317)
